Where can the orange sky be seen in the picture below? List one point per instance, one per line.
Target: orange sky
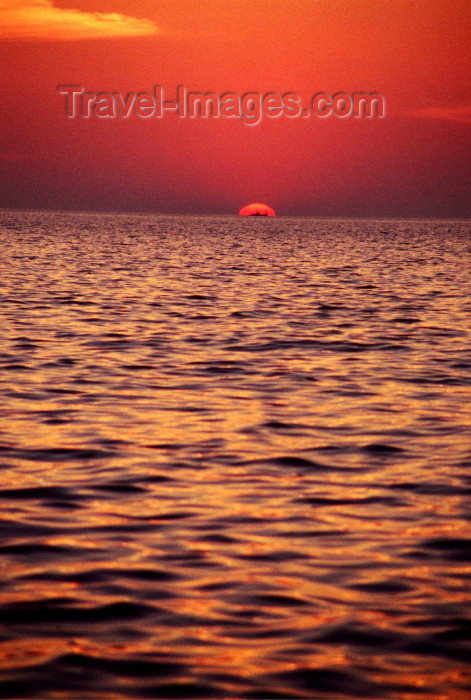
(416, 161)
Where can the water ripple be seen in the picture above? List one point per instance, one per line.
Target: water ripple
(234, 457)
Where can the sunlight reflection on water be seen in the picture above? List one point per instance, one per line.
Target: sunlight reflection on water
(234, 457)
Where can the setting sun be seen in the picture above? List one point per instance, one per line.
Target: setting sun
(256, 209)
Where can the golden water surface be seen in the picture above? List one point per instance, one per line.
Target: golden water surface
(235, 457)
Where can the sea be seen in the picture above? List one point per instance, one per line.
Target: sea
(235, 457)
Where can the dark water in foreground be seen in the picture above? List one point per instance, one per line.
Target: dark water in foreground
(235, 457)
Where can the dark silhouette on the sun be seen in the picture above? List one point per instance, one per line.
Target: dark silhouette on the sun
(256, 209)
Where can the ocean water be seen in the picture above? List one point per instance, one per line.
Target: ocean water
(235, 457)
